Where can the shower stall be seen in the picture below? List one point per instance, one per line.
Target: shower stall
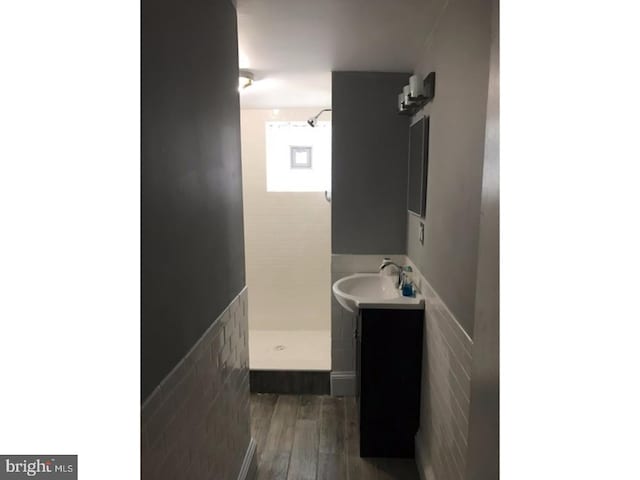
(286, 176)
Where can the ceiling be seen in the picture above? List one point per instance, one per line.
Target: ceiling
(292, 46)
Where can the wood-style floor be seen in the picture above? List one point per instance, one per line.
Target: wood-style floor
(312, 437)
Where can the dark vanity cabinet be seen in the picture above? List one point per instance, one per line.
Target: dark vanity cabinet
(388, 367)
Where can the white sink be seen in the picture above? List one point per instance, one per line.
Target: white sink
(372, 290)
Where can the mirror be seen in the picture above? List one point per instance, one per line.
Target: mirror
(418, 167)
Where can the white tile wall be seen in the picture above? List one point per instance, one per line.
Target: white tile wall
(195, 425)
(441, 443)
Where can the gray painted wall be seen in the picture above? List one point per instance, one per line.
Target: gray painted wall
(369, 163)
(484, 428)
(192, 231)
(458, 51)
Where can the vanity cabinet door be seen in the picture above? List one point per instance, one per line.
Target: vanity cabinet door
(388, 367)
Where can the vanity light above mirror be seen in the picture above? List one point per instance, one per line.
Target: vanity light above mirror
(417, 94)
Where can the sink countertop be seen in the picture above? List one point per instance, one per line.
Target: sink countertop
(373, 291)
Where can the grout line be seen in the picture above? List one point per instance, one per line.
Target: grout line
(454, 355)
(466, 347)
(444, 405)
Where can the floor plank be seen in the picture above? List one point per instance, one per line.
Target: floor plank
(332, 466)
(332, 418)
(309, 407)
(304, 455)
(262, 407)
(357, 467)
(273, 465)
(279, 440)
(394, 468)
(316, 438)
(281, 427)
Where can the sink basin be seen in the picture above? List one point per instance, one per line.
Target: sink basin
(372, 290)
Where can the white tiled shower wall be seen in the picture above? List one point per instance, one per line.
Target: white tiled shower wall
(441, 442)
(187, 420)
(287, 238)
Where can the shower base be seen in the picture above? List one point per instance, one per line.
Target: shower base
(302, 350)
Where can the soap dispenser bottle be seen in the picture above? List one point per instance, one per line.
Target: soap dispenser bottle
(408, 289)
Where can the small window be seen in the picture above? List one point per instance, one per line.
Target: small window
(300, 157)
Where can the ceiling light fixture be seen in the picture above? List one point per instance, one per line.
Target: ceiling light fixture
(245, 79)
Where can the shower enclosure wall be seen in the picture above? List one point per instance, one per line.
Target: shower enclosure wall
(287, 219)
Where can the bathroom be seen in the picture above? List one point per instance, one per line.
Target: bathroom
(319, 240)
(354, 247)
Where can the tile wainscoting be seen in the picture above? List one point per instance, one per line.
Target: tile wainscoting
(441, 442)
(196, 424)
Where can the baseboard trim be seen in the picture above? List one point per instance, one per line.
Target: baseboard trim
(248, 468)
(343, 384)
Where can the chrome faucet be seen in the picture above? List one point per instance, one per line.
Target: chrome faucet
(386, 261)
